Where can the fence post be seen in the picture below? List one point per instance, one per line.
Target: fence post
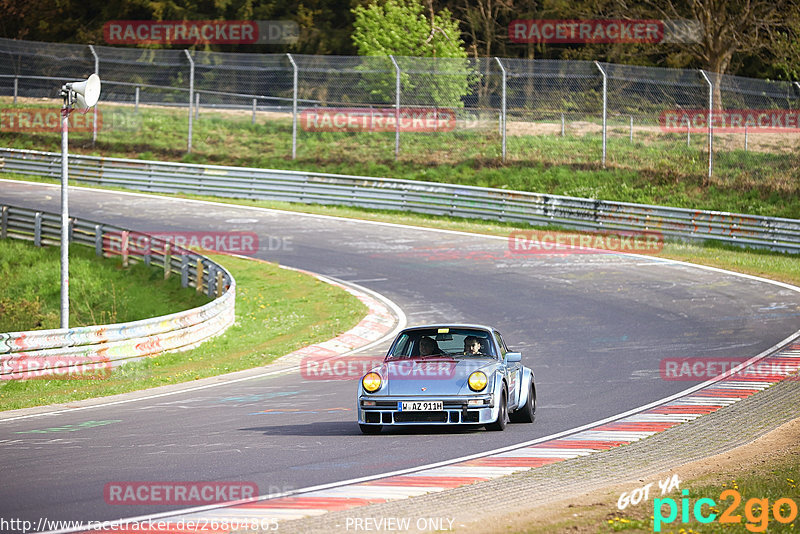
(254, 111)
(191, 96)
(710, 123)
(94, 108)
(745, 137)
(16, 87)
(562, 124)
(136, 100)
(294, 105)
(396, 108)
(605, 108)
(631, 128)
(503, 107)
(688, 132)
(196, 105)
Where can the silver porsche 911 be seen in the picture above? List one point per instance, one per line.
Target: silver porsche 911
(445, 375)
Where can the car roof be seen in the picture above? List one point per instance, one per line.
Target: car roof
(450, 325)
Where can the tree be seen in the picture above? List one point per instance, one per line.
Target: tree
(427, 45)
(729, 28)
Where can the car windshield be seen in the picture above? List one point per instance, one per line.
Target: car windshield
(443, 342)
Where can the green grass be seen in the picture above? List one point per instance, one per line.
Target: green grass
(277, 312)
(101, 291)
(657, 168)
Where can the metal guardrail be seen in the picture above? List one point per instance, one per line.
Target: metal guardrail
(773, 233)
(71, 352)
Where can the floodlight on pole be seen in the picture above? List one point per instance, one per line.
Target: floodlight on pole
(83, 96)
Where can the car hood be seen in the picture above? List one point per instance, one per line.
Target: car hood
(440, 376)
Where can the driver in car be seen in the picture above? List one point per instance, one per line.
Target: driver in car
(472, 346)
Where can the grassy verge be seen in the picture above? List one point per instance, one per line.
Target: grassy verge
(657, 168)
(277, 311)
(101, 292)
(755, 481)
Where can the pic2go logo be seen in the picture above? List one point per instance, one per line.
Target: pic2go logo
(756, 511)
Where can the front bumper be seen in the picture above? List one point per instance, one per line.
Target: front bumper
(456, 410)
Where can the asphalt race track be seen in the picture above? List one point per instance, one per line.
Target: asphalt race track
(594, 327)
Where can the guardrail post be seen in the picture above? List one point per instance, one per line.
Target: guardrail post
(98, 239)
(503, 107)
(37, 229)
(184, 271)
(136, 100)
(94, 108)
(396, 108)
(71, 229)
(605, 108)
(212, 280)
(710, 123)
(124, 247)
(167, 259)
(198, 276)
(294, 106)
(219, 285)
(3, 222)
(146, 241)
(191, 97)
(16, 87)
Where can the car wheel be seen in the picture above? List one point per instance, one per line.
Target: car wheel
(370, 429)
(527, 412)
(502, 415)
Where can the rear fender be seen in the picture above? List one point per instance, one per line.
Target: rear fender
(524, 386)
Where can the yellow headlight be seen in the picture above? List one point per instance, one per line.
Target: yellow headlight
(371, 382)
(477, 381)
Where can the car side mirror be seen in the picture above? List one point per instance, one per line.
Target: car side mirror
(513, 357)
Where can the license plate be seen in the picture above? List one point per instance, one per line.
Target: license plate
(421, 406)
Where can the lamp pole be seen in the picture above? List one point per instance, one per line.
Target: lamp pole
(65, 111)
(84, 95)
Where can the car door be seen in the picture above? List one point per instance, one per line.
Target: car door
(513, 371)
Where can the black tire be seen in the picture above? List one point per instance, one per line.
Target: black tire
(370, 429)
(527, 412)
(502, 415)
